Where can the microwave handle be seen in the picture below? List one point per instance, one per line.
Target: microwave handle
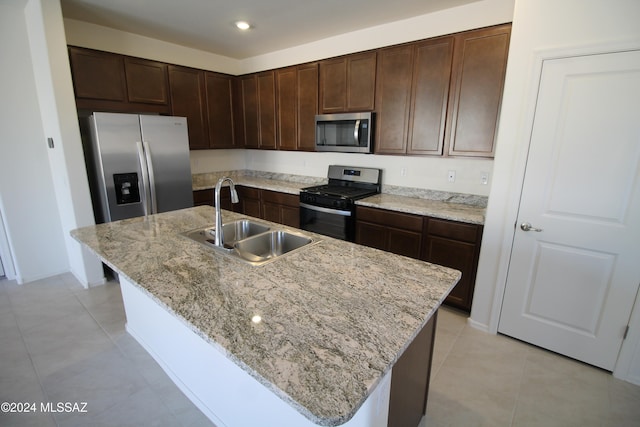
(356, 133)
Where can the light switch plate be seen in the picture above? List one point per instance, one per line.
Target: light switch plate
(484, 178)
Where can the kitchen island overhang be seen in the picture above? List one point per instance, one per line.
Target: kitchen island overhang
(335, 317)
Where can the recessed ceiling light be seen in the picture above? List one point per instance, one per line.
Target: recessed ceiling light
(243, 25)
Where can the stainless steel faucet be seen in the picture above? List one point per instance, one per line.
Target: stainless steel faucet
(219, 239)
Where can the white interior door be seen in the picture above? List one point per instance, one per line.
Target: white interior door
(571, 284)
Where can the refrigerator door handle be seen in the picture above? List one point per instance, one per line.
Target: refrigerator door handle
(145, 177)
(152, 179)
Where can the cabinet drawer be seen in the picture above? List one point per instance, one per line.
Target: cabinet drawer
(453, 230)
(249, 192)
(286, 199)
(389, 218)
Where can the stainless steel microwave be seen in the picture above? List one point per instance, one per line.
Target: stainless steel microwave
(346, 133)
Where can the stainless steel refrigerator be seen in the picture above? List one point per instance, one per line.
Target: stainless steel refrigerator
(137, 164)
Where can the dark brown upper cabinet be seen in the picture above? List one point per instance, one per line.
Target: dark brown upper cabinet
(267, 109)
(220, 108)
(411, 97)
(105, 81)
(89, 67)
(439, 96)
(258, 94)
(307, 106)
(249, 98)
(146, 81)
(287, 107)
(479, 65)
(348, 83)
(205, 99)
(430, 94)
(297, 106)
(188, 99)
(393, 99)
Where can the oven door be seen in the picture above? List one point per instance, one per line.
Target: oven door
(329, 222)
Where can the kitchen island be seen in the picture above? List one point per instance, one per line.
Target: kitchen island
(313, 338)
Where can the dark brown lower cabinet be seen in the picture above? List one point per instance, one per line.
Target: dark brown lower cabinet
(250, 201)
(205, 197)
(410, 379)
(395, 232)
(449, 243)
(273, 206)
(282, 208)
(455, 245)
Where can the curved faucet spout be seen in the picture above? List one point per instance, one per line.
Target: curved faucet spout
(219, 238)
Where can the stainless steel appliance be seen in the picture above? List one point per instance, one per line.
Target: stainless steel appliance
(137, 164)
(330, 209)
(347, 133)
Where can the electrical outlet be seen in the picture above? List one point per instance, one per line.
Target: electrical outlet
(451, 177)
(484, 178)
(403, 172)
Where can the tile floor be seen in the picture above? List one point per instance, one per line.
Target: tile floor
(62, 343)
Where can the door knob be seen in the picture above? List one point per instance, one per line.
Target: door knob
(525, 226)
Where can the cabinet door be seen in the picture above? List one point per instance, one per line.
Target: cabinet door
(372, 235)
(98, 75)
(249, 95)
(396, 232)
(307, 106)
(348, 83)
(220, 110)
(187, 91)
(361, 81)
(458, 255)
(297, 106)
(333, 85)
(267, 109)
(206, 197)
(287, 107)
(203, 198)
(479, 66)
(271, 212)
(455, 245)
(404, 242)
(238, 112)
(290, 216)
(280, 207)
(146, 81)
(250, 201)
(430, 93)
(286, 215)
(393, 95)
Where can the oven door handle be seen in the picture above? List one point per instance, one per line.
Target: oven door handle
(325, 210)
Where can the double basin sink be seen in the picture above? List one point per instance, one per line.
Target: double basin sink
(250, 241)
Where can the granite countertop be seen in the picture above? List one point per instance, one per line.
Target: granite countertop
(453, 206)
(335, 316)
(274, 182)
(433, 208)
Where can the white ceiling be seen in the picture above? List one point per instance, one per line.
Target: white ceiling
(208, 25)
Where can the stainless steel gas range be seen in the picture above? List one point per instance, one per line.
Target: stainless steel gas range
(330, 209)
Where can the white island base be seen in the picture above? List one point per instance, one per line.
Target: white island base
(222, 390)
